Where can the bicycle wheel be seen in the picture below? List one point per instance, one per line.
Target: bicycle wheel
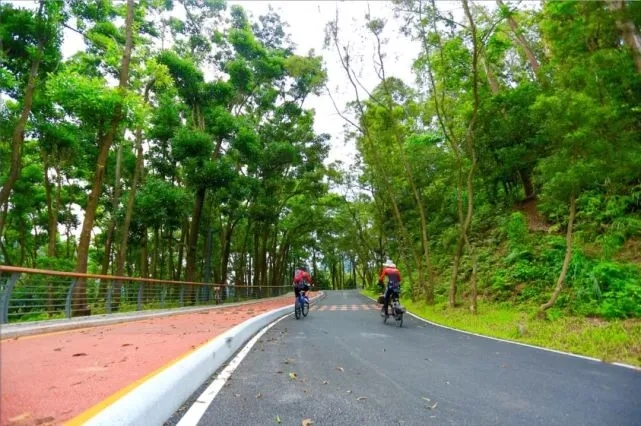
(297, 310)
(305, 308)
(400, 321)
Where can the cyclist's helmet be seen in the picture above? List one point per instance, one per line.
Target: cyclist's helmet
(389, 264)
(303, 268)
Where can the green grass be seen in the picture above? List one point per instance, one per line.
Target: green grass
(609, 341)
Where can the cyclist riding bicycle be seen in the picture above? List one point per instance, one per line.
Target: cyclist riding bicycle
(393, 283)
(302, 280)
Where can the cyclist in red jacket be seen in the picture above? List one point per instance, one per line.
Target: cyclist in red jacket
(302, 280)
(393, 282)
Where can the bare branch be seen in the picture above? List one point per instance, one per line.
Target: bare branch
(360, 129)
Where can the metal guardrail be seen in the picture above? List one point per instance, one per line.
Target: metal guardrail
(36, 294)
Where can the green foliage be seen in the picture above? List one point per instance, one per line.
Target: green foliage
(220, 115)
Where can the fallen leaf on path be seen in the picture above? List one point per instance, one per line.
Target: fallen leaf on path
(307, 422)
(237, 394)
(292, 376)
(361, 398)
(289, 361)
(80, 354)
(20, 417)
(349, 391)
(125, 344)
(45, 420)
(340, 368)
(426, 399)
(58, 349)
(325, 382)
(277, 419)
(431, 407)
(260, 395)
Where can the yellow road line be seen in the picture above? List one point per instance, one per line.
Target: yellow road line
(83, 417)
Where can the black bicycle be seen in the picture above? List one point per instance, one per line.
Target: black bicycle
(395, 306)
(301, 306)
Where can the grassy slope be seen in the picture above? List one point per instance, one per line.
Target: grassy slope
(610, 341)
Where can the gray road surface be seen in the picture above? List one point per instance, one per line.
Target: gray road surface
(351, 369)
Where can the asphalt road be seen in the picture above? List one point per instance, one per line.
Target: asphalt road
(347, 367)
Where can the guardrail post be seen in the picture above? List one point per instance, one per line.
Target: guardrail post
(5, 296)
(182, 296)
(69, 296)
(163, 292)
(140, 287)
(110, 288)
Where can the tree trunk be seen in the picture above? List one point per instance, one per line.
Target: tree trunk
(469, 137)
(528, 186)
(491, 77)
(333, 273)
(52, 215)
(473, 295)
(155, 252)
(144, 256)
(138, 174)
(522, 41)
(80, 306)
(170, 255)
(192, 246)
(628, 30)
(17, 138)
(566, 260)
(112, 221)
(263, 258)
(52, 229)
(184, 237)
(255, 262)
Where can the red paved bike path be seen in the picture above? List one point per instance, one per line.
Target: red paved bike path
(51, 378)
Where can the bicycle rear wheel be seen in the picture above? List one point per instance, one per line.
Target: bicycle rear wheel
(297, 310)
(305, 309)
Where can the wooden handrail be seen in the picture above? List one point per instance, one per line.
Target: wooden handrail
(21, 270)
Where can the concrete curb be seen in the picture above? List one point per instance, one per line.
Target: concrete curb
(10, 331)
(158, 398)
(498, 339)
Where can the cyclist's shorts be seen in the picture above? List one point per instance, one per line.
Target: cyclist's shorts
(301, 285)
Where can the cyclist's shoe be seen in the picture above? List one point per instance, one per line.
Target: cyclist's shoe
(383, 314)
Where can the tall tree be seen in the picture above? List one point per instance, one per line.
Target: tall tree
(105, 140)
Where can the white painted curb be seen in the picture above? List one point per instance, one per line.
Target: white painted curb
(157, 399)
(498, 339)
